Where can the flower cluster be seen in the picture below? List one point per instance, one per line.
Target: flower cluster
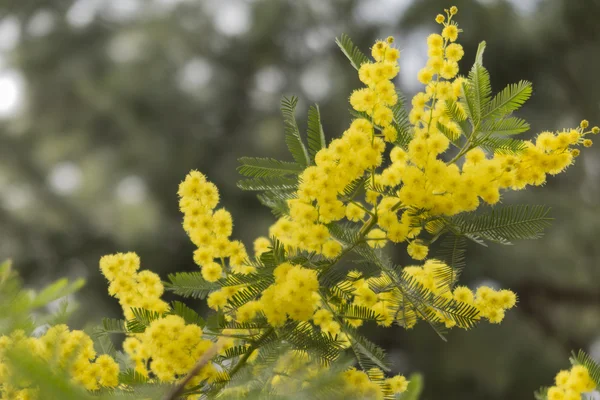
(570, 385)
(70, 351)
(372, 384)
(171, 348)
(209, 229)
(134, 289)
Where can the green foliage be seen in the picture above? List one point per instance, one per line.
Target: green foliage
(415, 388)
(354, 54)
(142, 318)
(504, 223)
(501, 145)
(190, 284)
(267, 167)
(190, 316)
(292, 133)
(18, 304)
(367, 353)
(315, 134)
(510, 99)
(268, 184)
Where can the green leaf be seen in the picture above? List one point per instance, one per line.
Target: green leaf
(132, 377)
(190, 284)
(277, 201)
(256, 167)
(56, 290)
(401, 122)
(367, 353)
(502, 145)
(113, 325)
(142, 318)
(452, 251)
(480, 91)
(292, 133)
(506, 223)
(507, 126)
(306, 337)
(190, 316)
(468, 101)
(415, 387)
(315, 134)
(356, 57)
(479, 54)
(268, 183)
(541, 394)
(350, 311)
(510, 99)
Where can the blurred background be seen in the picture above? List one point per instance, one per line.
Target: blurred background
(105, 105)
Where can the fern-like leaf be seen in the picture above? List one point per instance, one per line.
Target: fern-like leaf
(356, 57)
(452, 251)
(268, 183)
(481, 90)
(503, 224)
(367, 353)
(256, 167)
(506, 126)
(190, 316)
(510, 99)
(315, 134)
(502, 145)
(142, 318)
(190, 284)
(292, 133)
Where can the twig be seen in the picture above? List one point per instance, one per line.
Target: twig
(205, 359)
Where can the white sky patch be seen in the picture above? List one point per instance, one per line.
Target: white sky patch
(375, 12)
(195, 75)
(16, 197)
(11, 93)
(65, 178)
(269, 79)
(9, 33)
(131, 190)
(233, 18)
(126, 47)
(413, 57)
(315, 82)
(523, 7)
(82, 12)
(41, 23)
(120, 10)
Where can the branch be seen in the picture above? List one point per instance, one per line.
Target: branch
(205, 359)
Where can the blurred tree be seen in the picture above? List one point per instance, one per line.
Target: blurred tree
(123, 97)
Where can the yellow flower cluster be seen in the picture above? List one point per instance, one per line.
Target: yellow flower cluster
(134, 289)
(571, 384)
(372, 384)
(294, 294)
(343, 161)
(70, 351)
(380, 94)
(171, 348)
(491, 303)
(390, 305)
(210, 230)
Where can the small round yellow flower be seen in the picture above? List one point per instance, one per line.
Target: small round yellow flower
(450, 32)
(417, 250)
